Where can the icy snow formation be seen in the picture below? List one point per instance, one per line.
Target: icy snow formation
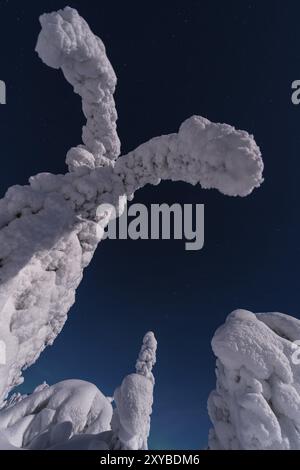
(74, 414)
(50, 228)
(256, 405)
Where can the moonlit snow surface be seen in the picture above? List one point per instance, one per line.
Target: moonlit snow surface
(256, 404)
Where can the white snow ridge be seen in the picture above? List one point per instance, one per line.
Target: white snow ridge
(256, 405)
(50, 228)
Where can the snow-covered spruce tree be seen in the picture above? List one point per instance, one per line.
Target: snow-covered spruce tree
(256, 404)
(50, 228)
(147, 357)
(134, 399)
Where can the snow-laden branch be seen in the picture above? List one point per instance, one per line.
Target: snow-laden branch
(67, 42)
(50, 228)
(214, 155)
(256, 404)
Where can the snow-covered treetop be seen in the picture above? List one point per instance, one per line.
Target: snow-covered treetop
(147, 356)
(134, 399)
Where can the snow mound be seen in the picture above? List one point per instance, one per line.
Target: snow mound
(256, 404)
(54, 414)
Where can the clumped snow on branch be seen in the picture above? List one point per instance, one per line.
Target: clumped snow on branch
(256, 405)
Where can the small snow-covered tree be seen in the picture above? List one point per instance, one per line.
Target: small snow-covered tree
(147, 356)
(134, 399)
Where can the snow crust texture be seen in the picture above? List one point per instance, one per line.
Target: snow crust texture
(256, 404)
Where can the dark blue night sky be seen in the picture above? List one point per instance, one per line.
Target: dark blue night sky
(230, 61)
